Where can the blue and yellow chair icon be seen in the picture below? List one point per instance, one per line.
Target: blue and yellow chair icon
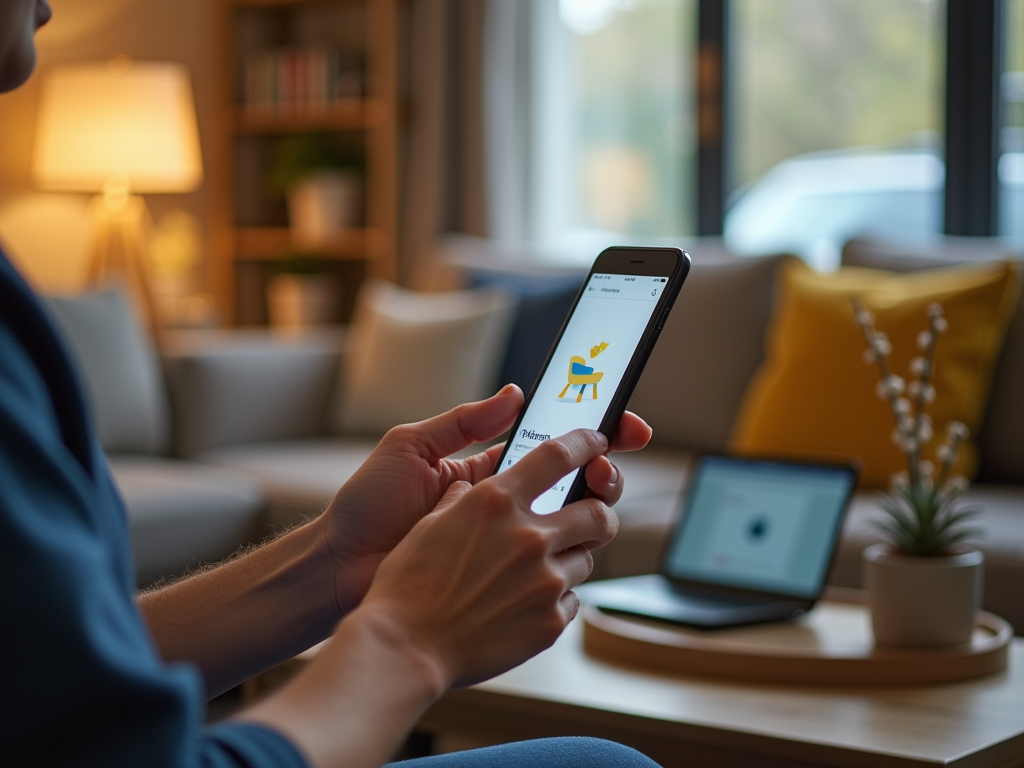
(581, 374)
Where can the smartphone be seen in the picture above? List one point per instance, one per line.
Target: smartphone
(598, 357)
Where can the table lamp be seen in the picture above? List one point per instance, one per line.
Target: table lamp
(118, 128)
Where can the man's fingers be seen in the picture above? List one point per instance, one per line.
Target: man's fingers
(470, 423)
(570, 605)
(605, 480)
(455, 491)
(633, 433)
(552, 460)
(575, 565)
(589, 522)
(477, 467)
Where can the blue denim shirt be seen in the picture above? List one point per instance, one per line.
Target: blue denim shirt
(83, 684)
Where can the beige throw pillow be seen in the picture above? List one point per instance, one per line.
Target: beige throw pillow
(415, 355)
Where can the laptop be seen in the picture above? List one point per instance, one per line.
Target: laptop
(754, 544)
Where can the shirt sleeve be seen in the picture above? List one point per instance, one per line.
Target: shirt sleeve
(82, 680)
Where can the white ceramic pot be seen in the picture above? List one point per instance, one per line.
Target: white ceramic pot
(296, 302)
(922, 601)
(323, 205)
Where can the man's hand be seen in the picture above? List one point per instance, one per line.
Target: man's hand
(482, 583)
(478, 585)
(408, 473)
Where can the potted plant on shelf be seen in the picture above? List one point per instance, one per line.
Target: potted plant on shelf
(923, 584)
(322, 182)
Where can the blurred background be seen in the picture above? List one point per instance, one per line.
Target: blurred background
(546, 129)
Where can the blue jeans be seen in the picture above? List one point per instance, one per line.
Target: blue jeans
(563, 752)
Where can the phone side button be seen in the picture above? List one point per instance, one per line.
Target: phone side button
(664, 317)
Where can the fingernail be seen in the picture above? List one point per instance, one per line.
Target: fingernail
(615, 474)
(505, 390)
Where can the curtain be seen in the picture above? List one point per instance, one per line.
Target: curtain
(442, 159)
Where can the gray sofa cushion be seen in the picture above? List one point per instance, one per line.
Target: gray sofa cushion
(1000, 441)
(241, 387)
(182, 515)
(121, 371)
(299, 476)
(709, 350)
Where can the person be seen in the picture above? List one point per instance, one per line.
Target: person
(424, 572)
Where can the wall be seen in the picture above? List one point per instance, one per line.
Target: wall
(47, 235)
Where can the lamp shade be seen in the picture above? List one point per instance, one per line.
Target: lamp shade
(131, 121)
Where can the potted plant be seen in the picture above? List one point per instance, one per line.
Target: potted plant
(301, 295)
(923, 584)
(322, 181)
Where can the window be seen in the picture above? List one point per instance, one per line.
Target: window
(614, 150)
(836, 115)
(1011, 161)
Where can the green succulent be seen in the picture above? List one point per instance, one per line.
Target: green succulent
(925, 521)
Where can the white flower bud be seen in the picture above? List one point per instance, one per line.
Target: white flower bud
(914, 389)
(918, 366)
(905, 424)
(945, 454)
(957, 430)
(924, 339)
(941, 325)
(868, 356)
(924, 432)
(902, 406)
(925, 468)
(935, 310)
(929, 394)
(881, 347)
(890, 386)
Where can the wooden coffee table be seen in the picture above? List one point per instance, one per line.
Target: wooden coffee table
(688, 721)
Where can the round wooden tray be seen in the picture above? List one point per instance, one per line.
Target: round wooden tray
(830, 645)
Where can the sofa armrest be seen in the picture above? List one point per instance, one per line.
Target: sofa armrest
(237, 387)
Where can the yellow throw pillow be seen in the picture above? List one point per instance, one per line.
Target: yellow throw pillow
(814, 396)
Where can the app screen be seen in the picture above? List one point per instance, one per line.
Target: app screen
(588, 364)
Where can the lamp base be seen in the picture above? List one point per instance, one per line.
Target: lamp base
(119, 249)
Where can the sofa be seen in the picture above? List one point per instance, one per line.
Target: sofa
(257, 413)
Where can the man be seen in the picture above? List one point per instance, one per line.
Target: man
(424, 572)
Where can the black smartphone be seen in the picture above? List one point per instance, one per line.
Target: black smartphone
(598, 356)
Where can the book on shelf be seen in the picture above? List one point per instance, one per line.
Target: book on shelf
(301, 79)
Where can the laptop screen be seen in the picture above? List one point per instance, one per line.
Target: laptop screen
(760, 525)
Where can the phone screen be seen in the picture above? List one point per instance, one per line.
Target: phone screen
(588, 364)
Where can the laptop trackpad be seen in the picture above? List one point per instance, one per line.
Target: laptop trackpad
(653, 596)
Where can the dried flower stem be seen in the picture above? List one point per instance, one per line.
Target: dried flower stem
(923, 518)
(877, 347)
(924, 383)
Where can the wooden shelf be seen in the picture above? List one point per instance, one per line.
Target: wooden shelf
(271, 243)
(238, 168)
(350, 114)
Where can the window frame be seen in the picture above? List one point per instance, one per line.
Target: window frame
(972, 116)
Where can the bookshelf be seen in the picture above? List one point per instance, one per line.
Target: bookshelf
(294, 67)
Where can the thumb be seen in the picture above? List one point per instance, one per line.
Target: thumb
(470, 423)
(455, 491)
